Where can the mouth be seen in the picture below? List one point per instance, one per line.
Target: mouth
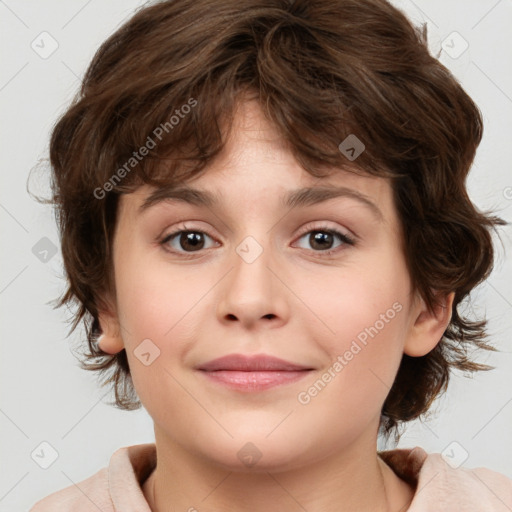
(252, 373)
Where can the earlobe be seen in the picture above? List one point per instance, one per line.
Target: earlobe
(110, 340)
(428, 327)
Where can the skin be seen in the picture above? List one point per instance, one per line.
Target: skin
(293, 302)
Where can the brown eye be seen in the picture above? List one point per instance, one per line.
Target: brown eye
(186, 241)
(191, 241)
(325, 240)
(321, 240)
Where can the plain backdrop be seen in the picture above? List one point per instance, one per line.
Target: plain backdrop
(47, 398)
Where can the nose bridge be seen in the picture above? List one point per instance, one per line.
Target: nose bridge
(251, 294)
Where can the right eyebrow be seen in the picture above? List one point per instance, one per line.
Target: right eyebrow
(184, 194)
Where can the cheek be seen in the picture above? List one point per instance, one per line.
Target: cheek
(363, 355)
(152, 299)
(157, 312)
(162, 306)
(361, 316)
(346, 297)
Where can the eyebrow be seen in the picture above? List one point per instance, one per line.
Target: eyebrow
(307, 196)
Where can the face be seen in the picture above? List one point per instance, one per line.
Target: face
(320, 284)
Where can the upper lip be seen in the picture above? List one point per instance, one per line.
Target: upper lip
(261, 362)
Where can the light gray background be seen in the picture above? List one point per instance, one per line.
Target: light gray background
(46, 397)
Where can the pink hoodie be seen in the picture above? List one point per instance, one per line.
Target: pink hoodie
(439, 487)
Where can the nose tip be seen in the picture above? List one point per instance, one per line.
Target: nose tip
(251, 293)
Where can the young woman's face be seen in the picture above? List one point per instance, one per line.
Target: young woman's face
(318, 283)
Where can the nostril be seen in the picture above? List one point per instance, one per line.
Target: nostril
(269, 316)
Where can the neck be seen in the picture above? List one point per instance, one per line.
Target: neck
(350, 481)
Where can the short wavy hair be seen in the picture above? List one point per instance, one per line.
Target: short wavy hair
(321, 70)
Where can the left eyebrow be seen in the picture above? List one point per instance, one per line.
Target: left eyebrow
(302, 197)
(309, 196)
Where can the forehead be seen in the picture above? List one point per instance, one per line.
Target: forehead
(256, 162)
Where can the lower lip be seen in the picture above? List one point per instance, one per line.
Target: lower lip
(254, 381)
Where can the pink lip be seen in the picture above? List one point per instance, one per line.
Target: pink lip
(252, 373)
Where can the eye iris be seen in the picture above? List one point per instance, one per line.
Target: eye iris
(194, 241)
(320, 237)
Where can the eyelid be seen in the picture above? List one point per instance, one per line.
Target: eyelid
(183, 227)
(325, 226)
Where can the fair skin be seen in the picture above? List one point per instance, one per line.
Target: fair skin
(293, 302)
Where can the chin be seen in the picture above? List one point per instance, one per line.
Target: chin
(254, 452)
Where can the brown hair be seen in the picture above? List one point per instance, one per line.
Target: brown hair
(321, 70)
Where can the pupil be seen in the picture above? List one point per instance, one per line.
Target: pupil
(194, 240)
(321, 236)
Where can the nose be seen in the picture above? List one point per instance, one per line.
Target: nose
(253, 292)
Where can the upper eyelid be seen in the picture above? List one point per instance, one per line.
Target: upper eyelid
(310, 226)
(181, 228)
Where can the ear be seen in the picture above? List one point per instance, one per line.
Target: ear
(110, 340)
(428, 327)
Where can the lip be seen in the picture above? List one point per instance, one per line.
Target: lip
(252, 373)
(256, 363)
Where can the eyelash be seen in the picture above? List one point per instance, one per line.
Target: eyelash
(346, 239)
